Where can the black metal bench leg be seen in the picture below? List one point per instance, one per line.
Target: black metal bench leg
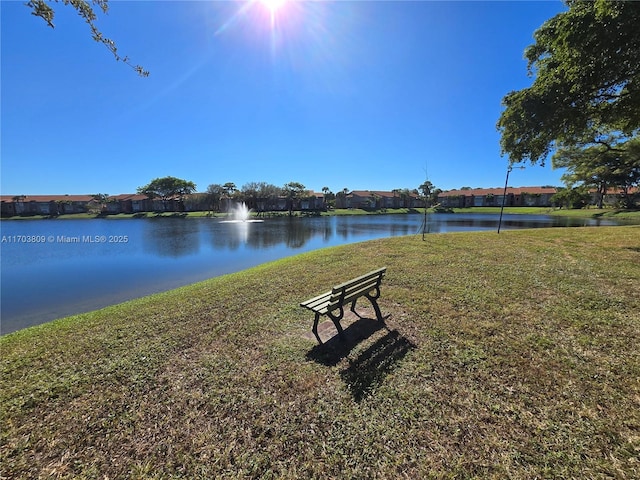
(376, 308)
(315, 328)
(353, 306)
(336, 322)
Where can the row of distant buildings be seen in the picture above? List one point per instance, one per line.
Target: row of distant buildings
(54, 205)
(478, 197)
(492, 197)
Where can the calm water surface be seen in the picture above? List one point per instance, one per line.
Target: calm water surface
(74, 266)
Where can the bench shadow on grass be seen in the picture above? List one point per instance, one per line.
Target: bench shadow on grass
(369, 368)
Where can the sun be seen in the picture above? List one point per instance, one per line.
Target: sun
(273, 5)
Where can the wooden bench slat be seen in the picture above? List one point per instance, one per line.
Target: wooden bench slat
(314, 302)
(374, 273)
(320, 307)
(369, 284)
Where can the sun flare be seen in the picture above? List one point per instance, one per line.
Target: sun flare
(273, 5)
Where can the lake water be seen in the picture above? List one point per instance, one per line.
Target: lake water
(55, 268)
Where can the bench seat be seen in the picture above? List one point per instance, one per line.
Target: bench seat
(332, 303)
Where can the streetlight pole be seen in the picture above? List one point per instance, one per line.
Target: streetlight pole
(504, 194)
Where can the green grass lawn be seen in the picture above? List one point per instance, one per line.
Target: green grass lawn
(504, 356)
(632, 215)
(510, 210)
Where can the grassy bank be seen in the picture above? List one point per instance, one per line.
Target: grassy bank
(505, 356)
(632, 215)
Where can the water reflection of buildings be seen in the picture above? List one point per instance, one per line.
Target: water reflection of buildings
(293, 233)
(171, 237)
(453, 222)
(296, 233)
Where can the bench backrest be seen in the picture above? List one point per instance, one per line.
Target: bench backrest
(349, 291)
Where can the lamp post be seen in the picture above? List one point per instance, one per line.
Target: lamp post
(504, 193)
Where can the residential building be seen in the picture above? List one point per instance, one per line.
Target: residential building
(375, 199)
(493, 197)
(45, 204)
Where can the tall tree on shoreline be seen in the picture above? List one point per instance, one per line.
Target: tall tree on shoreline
(602, 167)
(215, 192)
(167, 188)
(293, 191)
(586, 63)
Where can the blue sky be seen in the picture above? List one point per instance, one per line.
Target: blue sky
(360, 95)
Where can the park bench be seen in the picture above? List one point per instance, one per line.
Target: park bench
(332, 303)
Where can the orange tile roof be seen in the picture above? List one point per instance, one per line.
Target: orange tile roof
(69, 198)
(379, 193)
(499, 191)
(129, 196)
(615, 191)
(48, 198)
